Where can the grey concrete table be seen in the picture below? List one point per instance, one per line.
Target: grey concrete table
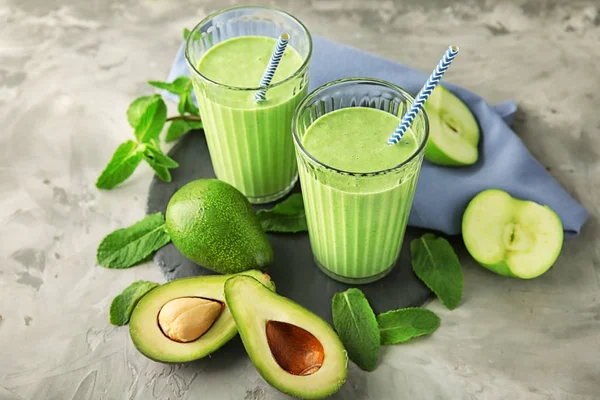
(68, 70)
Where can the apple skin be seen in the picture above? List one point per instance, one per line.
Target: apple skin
(503, 267)
(500, 268)
(435, 155)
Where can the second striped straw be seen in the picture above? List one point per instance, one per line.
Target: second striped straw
(282, 43)
(423, 95)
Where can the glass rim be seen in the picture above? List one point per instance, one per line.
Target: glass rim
(381, 82)
(299, 71)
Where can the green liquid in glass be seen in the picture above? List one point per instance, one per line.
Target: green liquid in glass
(250, 143)
(357, 224)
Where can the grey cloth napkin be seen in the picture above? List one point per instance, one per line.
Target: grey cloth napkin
(442, 192)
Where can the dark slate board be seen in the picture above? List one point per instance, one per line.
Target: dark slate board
(293, 270)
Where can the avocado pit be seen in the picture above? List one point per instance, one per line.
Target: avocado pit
(186, 319)
(296, 350)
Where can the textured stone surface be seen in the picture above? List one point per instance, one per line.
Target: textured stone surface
(68, 70)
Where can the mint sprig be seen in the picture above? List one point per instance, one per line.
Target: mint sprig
(126, 247)
(362, 333)
(147, 115)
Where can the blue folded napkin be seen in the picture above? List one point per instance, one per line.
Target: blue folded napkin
(443, 192)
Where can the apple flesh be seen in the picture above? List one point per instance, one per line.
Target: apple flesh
(512, 237)
(453, 130)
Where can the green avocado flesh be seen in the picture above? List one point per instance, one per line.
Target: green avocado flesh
(453, 130)
(511, 237)
(293, 349)
(150, 340)
(213, 224)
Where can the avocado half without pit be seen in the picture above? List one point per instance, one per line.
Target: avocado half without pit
(186, 319)
(293, 349)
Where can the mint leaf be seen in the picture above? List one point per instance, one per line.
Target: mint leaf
(186, 105)
(154, 152)
(287, 216)
(159, 161)
(152, 120)
(398, 326)
(122, 306)
(181, 86)
(180, 127)
(178, 86)
(162, 172)
(128, 246)
(137, 108)
(356, 325)
(122, 164)
(186, 33)
(437, 265)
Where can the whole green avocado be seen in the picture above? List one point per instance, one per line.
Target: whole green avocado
(213, 224)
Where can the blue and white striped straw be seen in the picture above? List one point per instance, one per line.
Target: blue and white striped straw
(423, 95)
(282, 43)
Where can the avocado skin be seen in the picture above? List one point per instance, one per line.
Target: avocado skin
(213, 224)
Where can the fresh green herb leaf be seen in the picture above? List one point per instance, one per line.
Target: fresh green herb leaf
(152, 120)
(186, 33)
(161, 171)
(178, 86)
(287, 216)
(159, 161)
(180, 127)
(437, 265)
(137, 108)
(398, 326)
(356, 325)
(126, 247)
(186, 105)
(122, 306)
(154, 152)
(182, 87)
(122, 164)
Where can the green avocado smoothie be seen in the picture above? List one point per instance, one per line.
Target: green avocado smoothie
(357, 217)
(250, 143)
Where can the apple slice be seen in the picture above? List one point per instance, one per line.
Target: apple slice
(453, 130)
(512, 237)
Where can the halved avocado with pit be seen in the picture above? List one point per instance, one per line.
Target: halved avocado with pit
(293, 349)
(160, 344)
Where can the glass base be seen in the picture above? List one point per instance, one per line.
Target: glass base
(354, 281)
(272, 197)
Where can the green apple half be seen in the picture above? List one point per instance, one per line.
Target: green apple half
(512, 237)
(453, 130)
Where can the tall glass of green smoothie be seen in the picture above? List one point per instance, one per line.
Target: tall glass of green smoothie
(250, 143)
(357, 189)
